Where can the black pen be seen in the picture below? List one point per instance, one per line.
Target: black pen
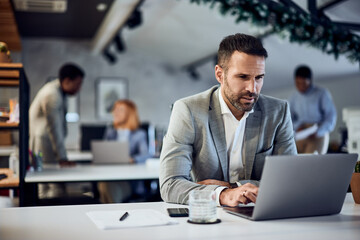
(123, 217)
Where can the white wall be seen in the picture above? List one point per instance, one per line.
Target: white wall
(151, 86)
(345, 91)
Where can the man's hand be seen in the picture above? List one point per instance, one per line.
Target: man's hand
(244, 194)
(214, 182)
(304, 126)
(66, 163)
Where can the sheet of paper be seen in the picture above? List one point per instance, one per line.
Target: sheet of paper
(300, 135)
(137, 218)
(79, 156)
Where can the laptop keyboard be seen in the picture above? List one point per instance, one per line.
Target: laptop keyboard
(247, 211)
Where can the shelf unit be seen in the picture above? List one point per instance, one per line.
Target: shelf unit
(6, 150)
(12, 75)
(9, 125)
(11, 181)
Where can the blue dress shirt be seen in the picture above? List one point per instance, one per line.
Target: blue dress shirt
(313, 106)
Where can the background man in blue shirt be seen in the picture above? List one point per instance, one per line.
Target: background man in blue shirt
(313, 113)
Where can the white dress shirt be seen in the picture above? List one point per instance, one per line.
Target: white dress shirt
(123, 135)
(234, 135)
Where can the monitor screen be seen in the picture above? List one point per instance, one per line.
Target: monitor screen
(89, 133)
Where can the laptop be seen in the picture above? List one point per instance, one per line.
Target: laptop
(300, 186)
(110, 152)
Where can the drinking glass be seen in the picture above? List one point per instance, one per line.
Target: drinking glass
(202, 206)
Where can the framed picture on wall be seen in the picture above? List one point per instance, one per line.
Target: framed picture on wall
(108, 90)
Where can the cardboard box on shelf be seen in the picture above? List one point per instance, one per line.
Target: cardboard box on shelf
(5, 138)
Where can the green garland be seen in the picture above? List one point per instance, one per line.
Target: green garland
(298, 25)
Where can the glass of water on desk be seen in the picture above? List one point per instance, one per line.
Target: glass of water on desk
(202, 207)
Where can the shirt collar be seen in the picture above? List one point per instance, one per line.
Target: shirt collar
(225, 109)
(63, 94)
(309, 90)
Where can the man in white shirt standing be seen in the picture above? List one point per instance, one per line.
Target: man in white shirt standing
(47, 123)
(218, 139)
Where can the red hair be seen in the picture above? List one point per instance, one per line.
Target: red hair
(132, 121)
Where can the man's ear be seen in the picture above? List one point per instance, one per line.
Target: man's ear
(219, 74)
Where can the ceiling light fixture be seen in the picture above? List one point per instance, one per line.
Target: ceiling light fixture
(135, 19)
(101, 7)
(193, 74)
(120, 45)
(109, 56)
(191, 67)
(46, 6)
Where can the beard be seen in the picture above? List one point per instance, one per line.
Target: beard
(235, 99)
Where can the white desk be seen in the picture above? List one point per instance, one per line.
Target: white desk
(89, 172)
(71, 222)
(53, 173)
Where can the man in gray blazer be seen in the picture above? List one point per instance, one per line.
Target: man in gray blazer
(47, 123)
(218, 139)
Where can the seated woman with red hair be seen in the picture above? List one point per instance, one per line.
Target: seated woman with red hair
(125, 127)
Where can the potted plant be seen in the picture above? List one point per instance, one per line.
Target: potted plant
(355, 183)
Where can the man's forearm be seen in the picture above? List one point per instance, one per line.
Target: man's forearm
(177, 190)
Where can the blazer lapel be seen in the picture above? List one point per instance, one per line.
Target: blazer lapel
(217, 132)
(251, 140)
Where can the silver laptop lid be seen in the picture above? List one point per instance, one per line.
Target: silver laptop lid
(302, 185)
(110, 152)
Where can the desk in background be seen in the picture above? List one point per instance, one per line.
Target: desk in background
(53, 173)
(71, 222)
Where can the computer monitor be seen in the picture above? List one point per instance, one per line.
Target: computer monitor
(89, 133)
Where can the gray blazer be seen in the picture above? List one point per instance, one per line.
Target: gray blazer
(47, 124)
(194, 148)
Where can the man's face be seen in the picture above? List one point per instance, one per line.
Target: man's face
(302, 84)
(72, 87)
(242, 82)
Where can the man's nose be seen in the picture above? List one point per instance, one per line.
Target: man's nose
(251, 86)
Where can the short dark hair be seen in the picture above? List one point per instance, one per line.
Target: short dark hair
(303, 71)
(71, 71)
(242, 43)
